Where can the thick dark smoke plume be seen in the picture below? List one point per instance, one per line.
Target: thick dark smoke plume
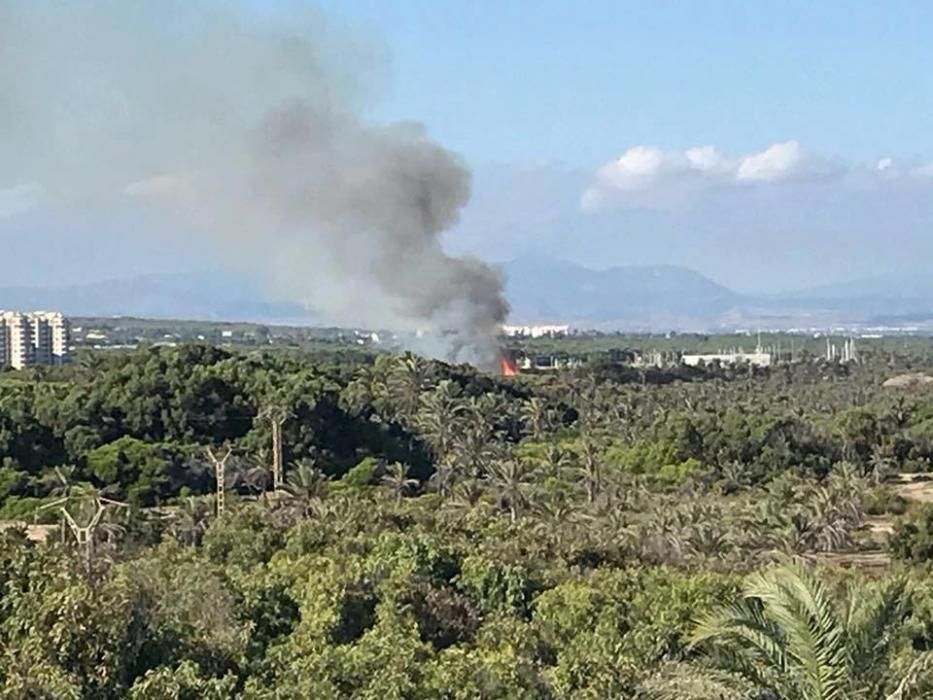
(248, 124)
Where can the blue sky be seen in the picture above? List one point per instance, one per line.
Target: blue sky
(770, 145)
(578, 82)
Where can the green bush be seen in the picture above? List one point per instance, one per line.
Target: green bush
(913, 536)
(884, 501)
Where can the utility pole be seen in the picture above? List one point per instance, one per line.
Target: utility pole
(277, 467)
(85, 535)
(277, 417)
(220, 473)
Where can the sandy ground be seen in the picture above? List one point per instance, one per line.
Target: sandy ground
(913, 488)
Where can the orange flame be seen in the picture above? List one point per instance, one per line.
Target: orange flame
(507, 368)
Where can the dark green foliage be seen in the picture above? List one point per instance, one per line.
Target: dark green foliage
(913, 536)
(361, 475)
(447, 534)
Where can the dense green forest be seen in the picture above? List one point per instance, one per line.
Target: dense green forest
(605, 532)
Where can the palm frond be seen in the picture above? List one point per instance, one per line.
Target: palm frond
(798, 602)
(680, 681)
(783, 635)
(870, 622)
(917, 682)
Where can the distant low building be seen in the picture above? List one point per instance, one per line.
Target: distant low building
(34, 338)
(758, 358)
(554, 331)
(548, 362)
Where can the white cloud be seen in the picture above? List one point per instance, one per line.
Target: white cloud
(647, 176)
(889, 169)
(157, 186)
(923, 171)
(706, 159)
(783, 162)
(19, 199)
(641, 167)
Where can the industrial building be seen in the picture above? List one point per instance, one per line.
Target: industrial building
(547, 331)
(759, 358)
(34, 338)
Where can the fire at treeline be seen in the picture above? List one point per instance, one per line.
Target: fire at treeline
(526, 349)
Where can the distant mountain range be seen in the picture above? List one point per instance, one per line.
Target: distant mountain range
(198, 296)
(660, 297)
(883, 300)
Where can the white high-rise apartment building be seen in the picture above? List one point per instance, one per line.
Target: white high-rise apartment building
(18, 340)
(41, 339)
(36, 338)
(60, 331)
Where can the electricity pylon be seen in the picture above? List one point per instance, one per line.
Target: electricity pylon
(277, 416)
(86, 534)
(220, 474)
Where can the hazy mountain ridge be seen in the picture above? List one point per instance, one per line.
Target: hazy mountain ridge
(199, 296)
(883, 300)
(543, 289)
(540, 289)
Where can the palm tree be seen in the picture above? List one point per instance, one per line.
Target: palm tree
(396, 479)
(708, 538)
(676, 681)
(555, 460)
(590, 468)
(91, 363)
(791, 640)
(733, 476)
(364, 393)
(59, 481)
(341, 511)
(798, 532)
(306, 484)
(443, 479)
(406, 380)
(879, 466)
(255, 477)
(474, 448)
(554, 513)
(466, 496)
(438, 419)
(190, 520)
(833, 517)
(555, 520)
(510, 480)
(535, 417)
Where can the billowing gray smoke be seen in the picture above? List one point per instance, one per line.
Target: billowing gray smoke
(248, 125)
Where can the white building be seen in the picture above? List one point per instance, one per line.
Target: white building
(18, 332)
(36, 338)
(41, 332)
(757, 358)
(60, 332)
(554, 331)
(549, 363)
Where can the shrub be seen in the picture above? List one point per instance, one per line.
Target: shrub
(913, 537)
